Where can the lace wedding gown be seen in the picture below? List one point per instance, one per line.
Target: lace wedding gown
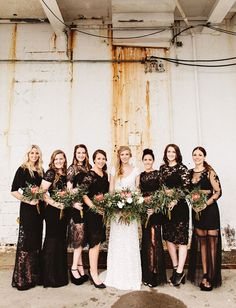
(123, 258)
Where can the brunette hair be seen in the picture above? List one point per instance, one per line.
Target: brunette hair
(86, 163)
(205, 164)
(148, 152)
(52, 165)
(119, 169)
(39, 163)
(99, 151)
(177, 151)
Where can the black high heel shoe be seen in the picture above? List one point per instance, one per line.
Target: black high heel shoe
(76, 281)
(99, 286)
(203, 287)
(173, 274)
(85, 276)
(178, 279)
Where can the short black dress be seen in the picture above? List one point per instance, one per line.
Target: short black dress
(76, 236)
(152, 253)
(55, 243)
(94, 226)
(27, 270)
(176, 229)
(209, 219)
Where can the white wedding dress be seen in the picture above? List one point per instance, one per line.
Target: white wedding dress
(123, 257)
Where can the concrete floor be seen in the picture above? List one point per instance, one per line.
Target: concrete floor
(88, 296)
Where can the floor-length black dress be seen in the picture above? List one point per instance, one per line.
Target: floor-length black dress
(55, 269)
(208, 219)
(27, 270)
(95, 228)
(176, 229)
(152, 253)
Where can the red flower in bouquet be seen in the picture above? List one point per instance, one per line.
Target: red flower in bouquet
(197, 199)
(32, 192)
(64, 196)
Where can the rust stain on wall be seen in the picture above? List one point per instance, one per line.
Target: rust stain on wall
(230, 236)
(131, 104)
(148, 115)
(11, 80)
(54, 41)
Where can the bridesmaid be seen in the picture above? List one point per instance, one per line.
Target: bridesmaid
(173, 174)
(27, 273)
(206, 236)
(55, 246)
(152, 253)
(95, 182)
(75, 175)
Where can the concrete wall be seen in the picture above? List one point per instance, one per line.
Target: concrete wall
(59, 104)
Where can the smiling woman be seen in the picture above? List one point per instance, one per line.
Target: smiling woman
(27, 271)
(56, 217)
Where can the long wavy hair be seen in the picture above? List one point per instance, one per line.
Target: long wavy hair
(205, 164)
(86, 163)
(177, 152)
(39, 163)
(119, 169)
(99, 151)
(53, 167)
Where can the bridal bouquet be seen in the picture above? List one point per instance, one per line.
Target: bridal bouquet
(32, 192)
(152, 202)
(168, 198)
(197, 198)
(126, 205)
(64, 196)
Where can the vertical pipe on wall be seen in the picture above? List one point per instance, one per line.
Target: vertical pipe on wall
(197, 98)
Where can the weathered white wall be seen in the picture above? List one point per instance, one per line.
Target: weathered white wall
(57, 105)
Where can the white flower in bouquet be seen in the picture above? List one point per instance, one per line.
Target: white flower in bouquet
(129, 200)
(140, 200)
(120, 204)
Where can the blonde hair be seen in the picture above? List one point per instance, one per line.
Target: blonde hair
(119, 169)
(39, 163)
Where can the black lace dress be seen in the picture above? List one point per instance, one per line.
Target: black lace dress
(77, 236)
(27, 270)
(152, 253)
(176, 229)
(206, 241)
(94, 227)
(55, 243)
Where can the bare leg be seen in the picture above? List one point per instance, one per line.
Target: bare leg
(76, 257)
(183, 250)
(172, 252)
(93, 262)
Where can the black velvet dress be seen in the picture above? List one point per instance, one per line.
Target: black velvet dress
(152, 253)
(27, 270)
(55, 243)
(95, 229)
(208, 243)
(176, 229)
(77, 236)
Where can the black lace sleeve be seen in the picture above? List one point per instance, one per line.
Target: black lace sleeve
(215, 182)
(49, 176)
(70, 174)
(18, 180)
(161, 175)
(185, 176)
(88, 180)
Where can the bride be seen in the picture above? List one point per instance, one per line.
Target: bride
(123, 258)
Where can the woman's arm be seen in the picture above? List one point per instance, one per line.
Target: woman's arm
(215, 182)
(45, 186)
